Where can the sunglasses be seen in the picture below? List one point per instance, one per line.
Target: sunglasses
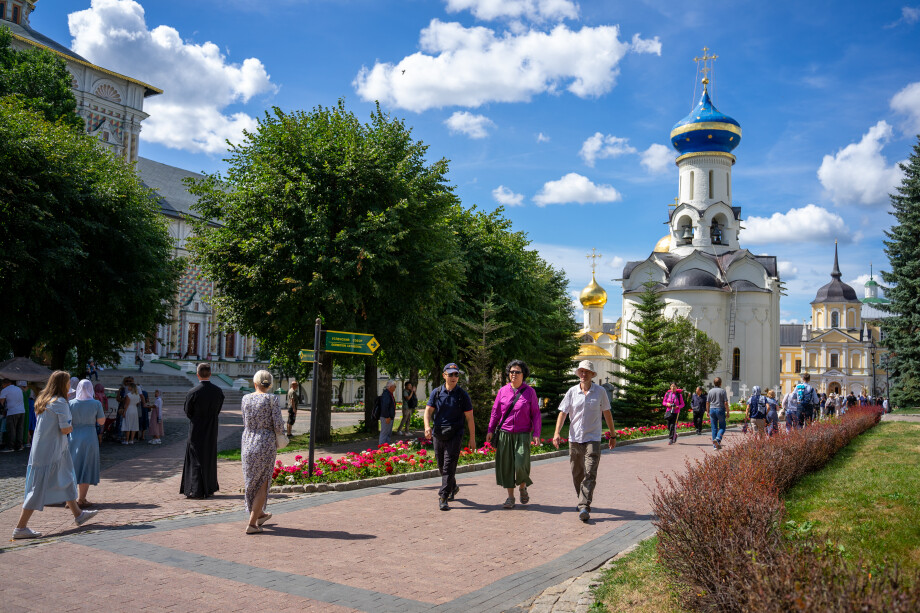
(452, 374)
(515, 372)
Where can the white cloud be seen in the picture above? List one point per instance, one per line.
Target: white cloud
(542, 138)
(657, 158)
(647, 45)
(198, 81)
(534, 10)
(907, 101)
(910, 14)
(505, 196)
(787, 270)
(600, 146)
(575, 188)
(464, 122)
(859, 173)
(789, 227)
(459, 66)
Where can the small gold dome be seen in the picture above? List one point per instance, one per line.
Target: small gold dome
(664, 245)
(593, 295)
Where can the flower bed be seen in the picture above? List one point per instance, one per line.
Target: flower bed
(720, 531)
(414, 456)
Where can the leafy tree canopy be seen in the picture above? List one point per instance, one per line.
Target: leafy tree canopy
(320, 214)
(86, 261)
(41, 79)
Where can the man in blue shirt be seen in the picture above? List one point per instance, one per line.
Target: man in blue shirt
(447, 407)
(387, 412)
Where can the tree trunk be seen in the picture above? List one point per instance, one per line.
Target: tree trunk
(370, 393)
(58, 357)
(413, 377)
(324, 401)
(22, 347)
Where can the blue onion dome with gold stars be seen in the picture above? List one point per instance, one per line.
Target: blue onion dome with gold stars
(705, 130)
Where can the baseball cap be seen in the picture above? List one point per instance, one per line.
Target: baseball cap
(451, 368)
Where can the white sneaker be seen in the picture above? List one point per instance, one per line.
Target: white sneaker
(84, 517)
(151, 442)
(25, 533)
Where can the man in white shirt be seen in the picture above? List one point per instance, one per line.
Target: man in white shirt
(12, 401)
(584, 404)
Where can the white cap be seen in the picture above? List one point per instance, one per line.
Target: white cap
(586, 365)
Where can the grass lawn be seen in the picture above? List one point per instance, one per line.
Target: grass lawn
(348, 434)
(907, 411)
(868, 497)
(636, 583)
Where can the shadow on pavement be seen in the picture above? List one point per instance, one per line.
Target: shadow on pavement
(315, 534)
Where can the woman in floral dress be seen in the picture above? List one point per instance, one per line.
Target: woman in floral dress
(261, 421)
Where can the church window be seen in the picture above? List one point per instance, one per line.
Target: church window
(781, 364)
(835, 319)
(728, 187)
(335, 394)
(359, 394)
(2, 10)
(691, 185)
(710, 184)
(851, 319)
(230, 345)
(736, 364)
(835, 360)
(15, 18)
(798, 366)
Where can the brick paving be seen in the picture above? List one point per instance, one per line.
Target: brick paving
(385, 548)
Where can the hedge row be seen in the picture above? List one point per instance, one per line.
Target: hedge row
(719, 531)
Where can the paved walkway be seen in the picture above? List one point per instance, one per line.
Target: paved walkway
(378, 549)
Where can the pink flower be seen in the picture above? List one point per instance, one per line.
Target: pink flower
(298, 458)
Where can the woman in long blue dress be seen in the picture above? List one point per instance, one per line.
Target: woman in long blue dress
(261, 422)
(50, 476)
(84, 443)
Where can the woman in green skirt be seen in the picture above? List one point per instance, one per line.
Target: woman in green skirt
(516, 419)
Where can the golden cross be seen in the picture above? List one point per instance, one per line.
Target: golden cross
(676, 202)
(594, 255)
(706, 58)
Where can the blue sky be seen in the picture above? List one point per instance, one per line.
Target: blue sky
(561, 110)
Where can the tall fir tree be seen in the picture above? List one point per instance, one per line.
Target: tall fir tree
(902, 329)
(483, 342)
(553, 368)
(648, 363)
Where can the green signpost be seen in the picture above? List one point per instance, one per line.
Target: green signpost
(306, 355)
(351, 342)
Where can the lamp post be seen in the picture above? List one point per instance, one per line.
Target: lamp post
(872, 349)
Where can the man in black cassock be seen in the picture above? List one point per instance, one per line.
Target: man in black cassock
(202, 406)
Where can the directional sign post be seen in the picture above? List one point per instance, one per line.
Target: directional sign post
(351, 342)
(307, 355)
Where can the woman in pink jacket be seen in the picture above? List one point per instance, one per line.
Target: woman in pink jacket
(673, 404)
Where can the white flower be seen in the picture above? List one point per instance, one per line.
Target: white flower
(289, 478)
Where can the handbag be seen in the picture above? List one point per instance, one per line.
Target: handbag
(281, 440)
(501, 421)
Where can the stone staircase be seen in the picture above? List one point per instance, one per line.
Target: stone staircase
(173, 387)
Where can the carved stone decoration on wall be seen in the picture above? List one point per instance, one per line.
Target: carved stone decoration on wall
(107, 92)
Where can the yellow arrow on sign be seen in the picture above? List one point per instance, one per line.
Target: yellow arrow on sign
(373, 344)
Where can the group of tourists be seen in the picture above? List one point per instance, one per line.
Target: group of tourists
(134, 416)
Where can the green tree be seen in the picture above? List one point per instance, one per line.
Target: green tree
(694, 354)
(553, 369)
(902, 328)
(482, 342)
(648, 364)
(41, 79)
(86, 260)
(322, 215)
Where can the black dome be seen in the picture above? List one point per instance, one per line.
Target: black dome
(694, 278)
(836, 290)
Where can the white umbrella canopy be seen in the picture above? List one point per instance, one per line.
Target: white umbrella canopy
(24, 369)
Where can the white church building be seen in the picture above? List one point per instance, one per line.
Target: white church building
(699, 268)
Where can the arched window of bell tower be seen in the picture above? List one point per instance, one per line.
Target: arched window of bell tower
(835, 319)
(711, 184)
(728, 187)
(691, 185)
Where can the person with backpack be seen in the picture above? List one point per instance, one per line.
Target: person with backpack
(387, 412)
(698, 405)
(772, 414)
(757, 410)
(807, 400)
(448, 407)
(791, 410)
(717, 404)
(851, 401)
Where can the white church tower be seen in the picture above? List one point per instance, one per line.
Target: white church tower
(699, 268)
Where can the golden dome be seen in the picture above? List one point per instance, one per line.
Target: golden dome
(592, 351)
(593, 295)
(664, 245)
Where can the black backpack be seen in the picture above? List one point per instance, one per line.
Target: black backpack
(375, 412)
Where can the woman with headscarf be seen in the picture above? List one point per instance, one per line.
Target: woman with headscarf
(84, 444)
(72, 392)
(515, 419)
(757, 410)
(50, 475)
(109, 412)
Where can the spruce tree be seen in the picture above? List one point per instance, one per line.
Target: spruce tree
(648, 363)
(902, 328)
